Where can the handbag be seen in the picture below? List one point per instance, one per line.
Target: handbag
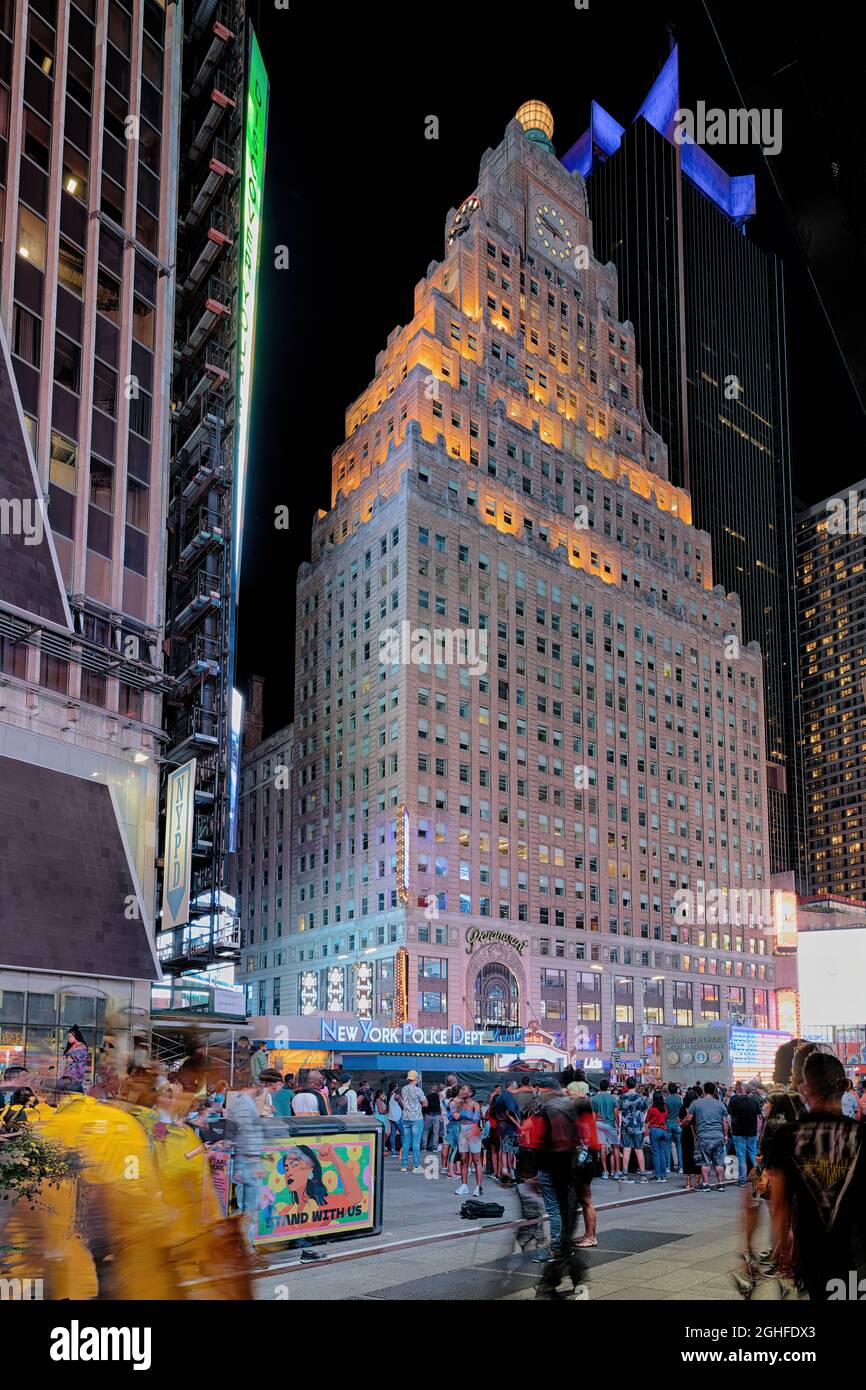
(587, 1164)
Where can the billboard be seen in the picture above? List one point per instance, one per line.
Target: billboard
(403, 854)
(695, 1054)
(785, 921)
(252, 198)
(832, 966)
(753, 1052)
(318, 1184)
(179, 810)
(235, 739)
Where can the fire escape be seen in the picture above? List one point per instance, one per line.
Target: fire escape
(200, 509)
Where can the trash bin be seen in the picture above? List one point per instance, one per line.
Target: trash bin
(322, 1179)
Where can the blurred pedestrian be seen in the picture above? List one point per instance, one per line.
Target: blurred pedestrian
(557, 1160)
(826, 1218)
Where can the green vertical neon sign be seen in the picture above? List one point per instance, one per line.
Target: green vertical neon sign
(252, 199)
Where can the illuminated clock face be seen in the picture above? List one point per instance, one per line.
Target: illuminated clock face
(554, 232)
(463, 217)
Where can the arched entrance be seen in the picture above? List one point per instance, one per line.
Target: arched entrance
(497, 997)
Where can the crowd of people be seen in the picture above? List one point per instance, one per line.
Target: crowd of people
(794, 1148)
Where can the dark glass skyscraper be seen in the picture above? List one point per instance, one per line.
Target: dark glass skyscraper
(709, 314)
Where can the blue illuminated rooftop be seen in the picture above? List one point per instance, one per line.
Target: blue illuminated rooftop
(734, 195)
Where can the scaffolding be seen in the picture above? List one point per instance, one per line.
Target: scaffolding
(201, 596)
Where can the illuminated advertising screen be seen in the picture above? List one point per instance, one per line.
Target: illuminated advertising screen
(318, 1184)
(252, 199)
(403, 854)
(832, 967)
(788, 1011)
(753, 1052)
(235, 735)
(785, 921)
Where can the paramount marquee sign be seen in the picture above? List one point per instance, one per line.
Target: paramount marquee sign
(365, 1031)
(479, 936)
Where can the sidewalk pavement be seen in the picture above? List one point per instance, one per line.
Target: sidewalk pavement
(653, 1243)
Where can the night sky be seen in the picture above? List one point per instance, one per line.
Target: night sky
(359, 197)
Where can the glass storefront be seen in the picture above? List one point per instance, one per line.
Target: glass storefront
(34, 1026)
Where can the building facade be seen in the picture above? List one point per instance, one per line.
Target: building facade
(525, 718)
(831, 596)
(263, 865)
(708, 308)
(88, 99)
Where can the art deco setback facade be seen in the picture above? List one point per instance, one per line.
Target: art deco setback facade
(499, 476)
(831, 593)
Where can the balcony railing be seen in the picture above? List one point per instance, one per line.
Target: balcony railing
(203, 530)
(203, 594)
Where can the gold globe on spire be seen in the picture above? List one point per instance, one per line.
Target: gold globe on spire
(537, 121)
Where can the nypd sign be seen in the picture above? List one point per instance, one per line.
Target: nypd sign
(365, 1031)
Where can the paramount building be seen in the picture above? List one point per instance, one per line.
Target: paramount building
(502, 846)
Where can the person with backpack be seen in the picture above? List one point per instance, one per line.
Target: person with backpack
(561, 1141)
(505, 1114)
(395, 1118)
(308, 1098)
(345, 1098)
